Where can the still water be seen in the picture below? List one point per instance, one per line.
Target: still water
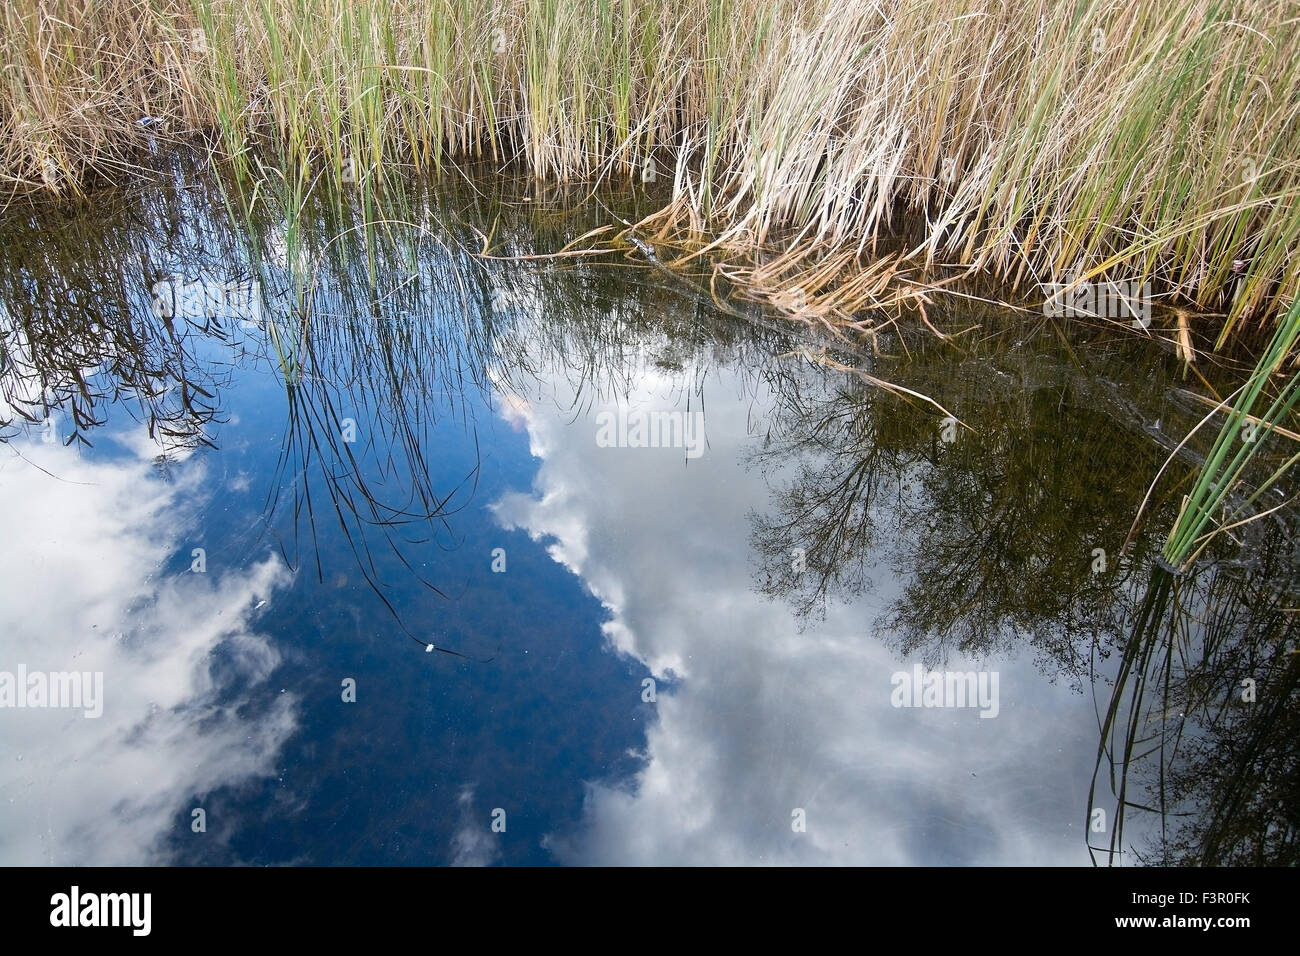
(425, 556)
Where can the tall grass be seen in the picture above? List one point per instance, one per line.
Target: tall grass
(1118, 139)
(1209, 508)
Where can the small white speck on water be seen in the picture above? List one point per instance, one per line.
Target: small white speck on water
(428, 649)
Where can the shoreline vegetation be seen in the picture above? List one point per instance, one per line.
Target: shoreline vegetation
(838, 161)
(1103, 140)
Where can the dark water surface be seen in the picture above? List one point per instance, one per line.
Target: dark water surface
(682, 654)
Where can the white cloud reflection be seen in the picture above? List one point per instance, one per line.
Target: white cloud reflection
(766, 719)
(83, 544)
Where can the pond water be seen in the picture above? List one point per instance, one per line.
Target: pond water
(416, 555)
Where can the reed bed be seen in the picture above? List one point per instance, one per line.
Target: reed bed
(1038, 141)
(1221, 499)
